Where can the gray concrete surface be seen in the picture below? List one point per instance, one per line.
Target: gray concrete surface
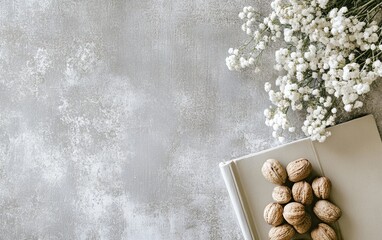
(114, 116)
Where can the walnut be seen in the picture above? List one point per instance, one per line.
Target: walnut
(298, 169)
(294, 213)
(282, 194)
(283, 232)
(323, 231)
(305, 225)
(297, 198)
(321, 187)
(273, 214)
(274, 172)
(327, 211)
(302, 193)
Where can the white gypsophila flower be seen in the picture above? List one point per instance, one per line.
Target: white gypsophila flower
(330, 60)
(323, 3)
(267, 86)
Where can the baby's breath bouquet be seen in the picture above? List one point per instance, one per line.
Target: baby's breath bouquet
(331, 55)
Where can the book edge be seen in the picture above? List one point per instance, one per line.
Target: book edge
(234, 192)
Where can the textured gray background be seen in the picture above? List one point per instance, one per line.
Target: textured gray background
(114, 116)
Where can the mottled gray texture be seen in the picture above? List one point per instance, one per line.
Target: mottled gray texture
(114, 116)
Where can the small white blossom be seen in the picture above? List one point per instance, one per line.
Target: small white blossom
(330, 61)
(267, 86)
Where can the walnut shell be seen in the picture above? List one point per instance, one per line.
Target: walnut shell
(283, 232)
(302, 193)
(294, 213)
(326, 211)
(282, 194)
(274, 172)
(273, 214)
(305, 225)
(323, 232)
(322, 187)
(298, 169)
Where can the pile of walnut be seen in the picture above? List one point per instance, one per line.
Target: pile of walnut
(293, 206)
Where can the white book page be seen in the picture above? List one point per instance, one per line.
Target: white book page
(351, 158)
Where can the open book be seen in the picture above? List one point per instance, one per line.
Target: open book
(351, 158)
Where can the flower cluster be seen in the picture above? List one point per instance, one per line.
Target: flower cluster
(260, 36)
(331, 59)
